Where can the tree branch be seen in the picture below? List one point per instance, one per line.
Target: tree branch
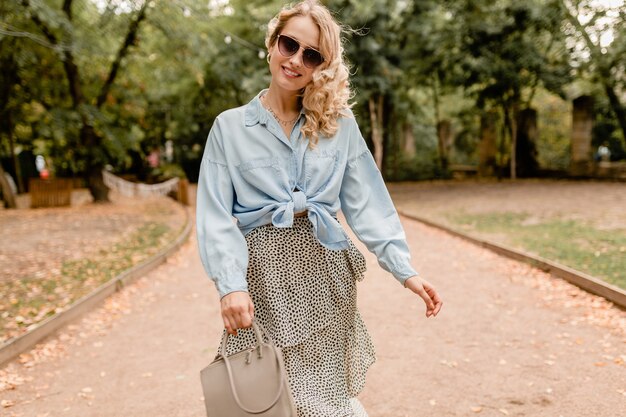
(130, 40)
(41, 25)
(67, 8)
(71, 69)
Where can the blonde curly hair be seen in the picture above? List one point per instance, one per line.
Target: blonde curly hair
(326, 97)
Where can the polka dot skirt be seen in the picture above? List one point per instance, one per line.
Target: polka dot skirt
(305, 297)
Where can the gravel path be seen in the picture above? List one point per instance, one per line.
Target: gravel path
(509, 341)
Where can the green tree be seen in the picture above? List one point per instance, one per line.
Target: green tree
(61, 30)
(592, 26)
(506, 50)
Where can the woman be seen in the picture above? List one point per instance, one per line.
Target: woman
(283, 165)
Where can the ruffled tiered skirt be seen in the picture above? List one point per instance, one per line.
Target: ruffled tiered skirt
(305, 297)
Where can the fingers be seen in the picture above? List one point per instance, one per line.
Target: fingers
(435, 298)
(428, 293)
(237, 311)
(423, 291)
(437, 301)
(244, 320)
(430, 306)
(230, 327)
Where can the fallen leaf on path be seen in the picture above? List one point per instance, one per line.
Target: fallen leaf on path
(7, 403)
(476, 409)
(449, 364)
(503, 411)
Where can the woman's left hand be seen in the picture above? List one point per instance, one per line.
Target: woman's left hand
(428, 293)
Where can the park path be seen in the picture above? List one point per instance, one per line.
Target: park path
(509, 340)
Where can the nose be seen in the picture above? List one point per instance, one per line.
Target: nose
(296, 59)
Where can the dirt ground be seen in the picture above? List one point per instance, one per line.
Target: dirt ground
(35, 242)
(601, 203)
(509, 341)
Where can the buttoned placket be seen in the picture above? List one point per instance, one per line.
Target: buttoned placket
(294, 142)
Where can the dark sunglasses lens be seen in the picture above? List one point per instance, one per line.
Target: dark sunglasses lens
(287, 46)
(311, 58)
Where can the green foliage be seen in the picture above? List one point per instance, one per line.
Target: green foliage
(428, 60)
(582, 246)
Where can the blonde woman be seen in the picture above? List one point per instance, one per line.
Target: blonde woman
(283, 166)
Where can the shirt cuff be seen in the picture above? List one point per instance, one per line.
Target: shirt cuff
(232, 278)
(403, 273)
(225, 288)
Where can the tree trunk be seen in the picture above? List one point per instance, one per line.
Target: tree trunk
(582, 125)
(16, 164)
(513, 127)
(8, 67)
(444, 138)
(376, 119)
(95, 182)
(408, 147)
(488, 147)
(7, 192)
(526, 149)
(510, 120)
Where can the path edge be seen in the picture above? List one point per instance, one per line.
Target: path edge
(14, 347)
(584, 281)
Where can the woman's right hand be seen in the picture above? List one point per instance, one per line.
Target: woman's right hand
(237, 311)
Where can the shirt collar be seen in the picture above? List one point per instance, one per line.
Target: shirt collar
(255, 112)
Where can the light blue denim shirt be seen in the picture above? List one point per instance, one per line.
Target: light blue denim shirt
(251, 171)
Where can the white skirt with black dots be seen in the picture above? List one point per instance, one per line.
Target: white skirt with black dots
(305, 297)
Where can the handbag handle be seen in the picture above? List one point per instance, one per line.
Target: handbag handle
(231, 378)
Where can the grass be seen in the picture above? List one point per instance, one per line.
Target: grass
(27, 301)
(577, 244)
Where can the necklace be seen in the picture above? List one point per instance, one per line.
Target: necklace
(281, 121)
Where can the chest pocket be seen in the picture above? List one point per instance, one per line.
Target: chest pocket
(320, 167)
(261, 173)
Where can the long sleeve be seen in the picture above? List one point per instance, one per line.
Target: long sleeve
(221, 244)
(370, 212)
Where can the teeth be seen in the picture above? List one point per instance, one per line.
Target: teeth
(293, 74)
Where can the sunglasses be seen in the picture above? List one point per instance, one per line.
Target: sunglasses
(287, 47)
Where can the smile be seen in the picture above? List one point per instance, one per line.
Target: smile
(289, 73)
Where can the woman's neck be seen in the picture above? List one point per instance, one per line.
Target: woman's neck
(282, 102)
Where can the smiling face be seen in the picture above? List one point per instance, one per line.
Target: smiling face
(289, 73)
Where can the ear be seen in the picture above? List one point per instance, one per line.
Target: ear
(271, 49)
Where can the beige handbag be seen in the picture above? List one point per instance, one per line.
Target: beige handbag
(252, 382)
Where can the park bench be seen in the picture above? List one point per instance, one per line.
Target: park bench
(615, 169)
(463, 171)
